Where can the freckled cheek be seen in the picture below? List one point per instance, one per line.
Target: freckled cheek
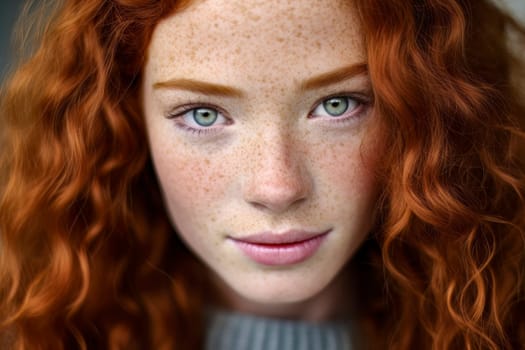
(191, 185)
(347, 171)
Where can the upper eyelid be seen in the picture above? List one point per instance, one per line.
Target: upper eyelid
(185, 108)
(359, 96)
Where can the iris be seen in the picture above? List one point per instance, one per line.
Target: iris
(336, 106)
(205, 116)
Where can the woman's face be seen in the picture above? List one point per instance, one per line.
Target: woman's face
(259, 121)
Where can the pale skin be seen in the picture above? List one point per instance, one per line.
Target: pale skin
(272, 157)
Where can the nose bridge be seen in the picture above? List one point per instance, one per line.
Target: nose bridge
(277, 148)
(278, 177)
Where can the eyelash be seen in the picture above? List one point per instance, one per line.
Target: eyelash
(362, 101)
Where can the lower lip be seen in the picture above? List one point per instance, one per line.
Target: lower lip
(281, 254)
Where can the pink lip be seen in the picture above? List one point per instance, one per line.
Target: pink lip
(291, 247)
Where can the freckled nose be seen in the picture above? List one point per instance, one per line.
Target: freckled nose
(276, 178)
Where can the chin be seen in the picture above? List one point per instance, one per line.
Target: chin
(278, 289)
(281, 295)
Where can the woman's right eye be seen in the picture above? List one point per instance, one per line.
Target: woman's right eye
(200, 119)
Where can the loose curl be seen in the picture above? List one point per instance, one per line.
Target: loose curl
(452, 212)
(89, 260)
(83, 234)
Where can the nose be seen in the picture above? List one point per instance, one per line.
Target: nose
(277, 177)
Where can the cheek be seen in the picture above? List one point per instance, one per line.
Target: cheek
(347, 172)
(192, 186)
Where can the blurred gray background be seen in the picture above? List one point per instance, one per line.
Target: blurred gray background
(9, 10)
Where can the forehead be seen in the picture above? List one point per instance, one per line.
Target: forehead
(248, 39)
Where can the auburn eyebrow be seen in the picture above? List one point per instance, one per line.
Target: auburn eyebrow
(335, 76)
(199, 87)
(208, 88)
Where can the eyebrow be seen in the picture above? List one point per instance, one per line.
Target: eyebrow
(200, 86)
(324, 79)
(335, 76)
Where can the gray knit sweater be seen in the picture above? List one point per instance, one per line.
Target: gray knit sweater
(235, 331)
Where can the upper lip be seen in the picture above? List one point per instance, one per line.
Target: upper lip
(287, 237)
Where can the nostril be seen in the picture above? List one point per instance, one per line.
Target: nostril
(258, 206)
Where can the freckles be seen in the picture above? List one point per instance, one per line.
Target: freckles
(204, 176)
(346, 166)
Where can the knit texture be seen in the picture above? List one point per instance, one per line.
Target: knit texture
(234, 331)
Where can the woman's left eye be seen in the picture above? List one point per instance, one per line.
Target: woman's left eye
(338, 106)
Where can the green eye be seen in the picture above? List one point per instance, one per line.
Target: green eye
(336, 106)
(205, 116)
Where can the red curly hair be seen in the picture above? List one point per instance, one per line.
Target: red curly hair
(88, 258)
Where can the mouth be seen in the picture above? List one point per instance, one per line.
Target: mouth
(274, 249)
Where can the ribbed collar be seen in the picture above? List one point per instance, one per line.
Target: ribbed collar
(235, 331)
